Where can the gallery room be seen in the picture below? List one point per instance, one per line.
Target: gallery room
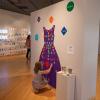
(49, 50)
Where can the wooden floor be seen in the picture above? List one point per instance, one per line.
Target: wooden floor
(13, 66)
(16, 78)
(15, 81)
(98, 80)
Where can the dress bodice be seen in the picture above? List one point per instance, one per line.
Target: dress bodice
(48, 36)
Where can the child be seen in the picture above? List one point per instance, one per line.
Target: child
(39, 81)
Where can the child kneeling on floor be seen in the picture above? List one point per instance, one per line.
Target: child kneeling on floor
(39, 81)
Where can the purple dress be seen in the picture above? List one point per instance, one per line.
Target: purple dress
(49, 56)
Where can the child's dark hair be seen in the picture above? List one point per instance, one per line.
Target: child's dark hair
(37, 67)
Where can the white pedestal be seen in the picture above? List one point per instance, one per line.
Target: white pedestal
(65, 86)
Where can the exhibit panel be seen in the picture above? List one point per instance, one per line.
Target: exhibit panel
(67, 38)
(14, 29)
(75, 29)
(11, 42)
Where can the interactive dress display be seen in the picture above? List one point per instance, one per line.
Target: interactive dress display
(49, 56)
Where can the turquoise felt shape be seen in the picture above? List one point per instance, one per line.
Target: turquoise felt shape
(36, 37)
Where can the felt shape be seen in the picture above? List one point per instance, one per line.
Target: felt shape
(38, 19)
(51, 19)
(64, 30)
(70, 6)
(46, 64)
(36, 37)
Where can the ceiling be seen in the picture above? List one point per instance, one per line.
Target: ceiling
(25, 6)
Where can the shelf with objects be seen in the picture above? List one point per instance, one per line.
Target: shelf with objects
(12, 42)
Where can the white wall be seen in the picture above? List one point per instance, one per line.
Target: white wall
(17, 27)
(83, 34)
(74, 23)
(99, 39)
(99, 34)
(10, 19)
(91, 38)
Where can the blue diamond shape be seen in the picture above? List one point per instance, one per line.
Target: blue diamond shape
(64, 30)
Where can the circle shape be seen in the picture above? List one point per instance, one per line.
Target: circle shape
(70, 6)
